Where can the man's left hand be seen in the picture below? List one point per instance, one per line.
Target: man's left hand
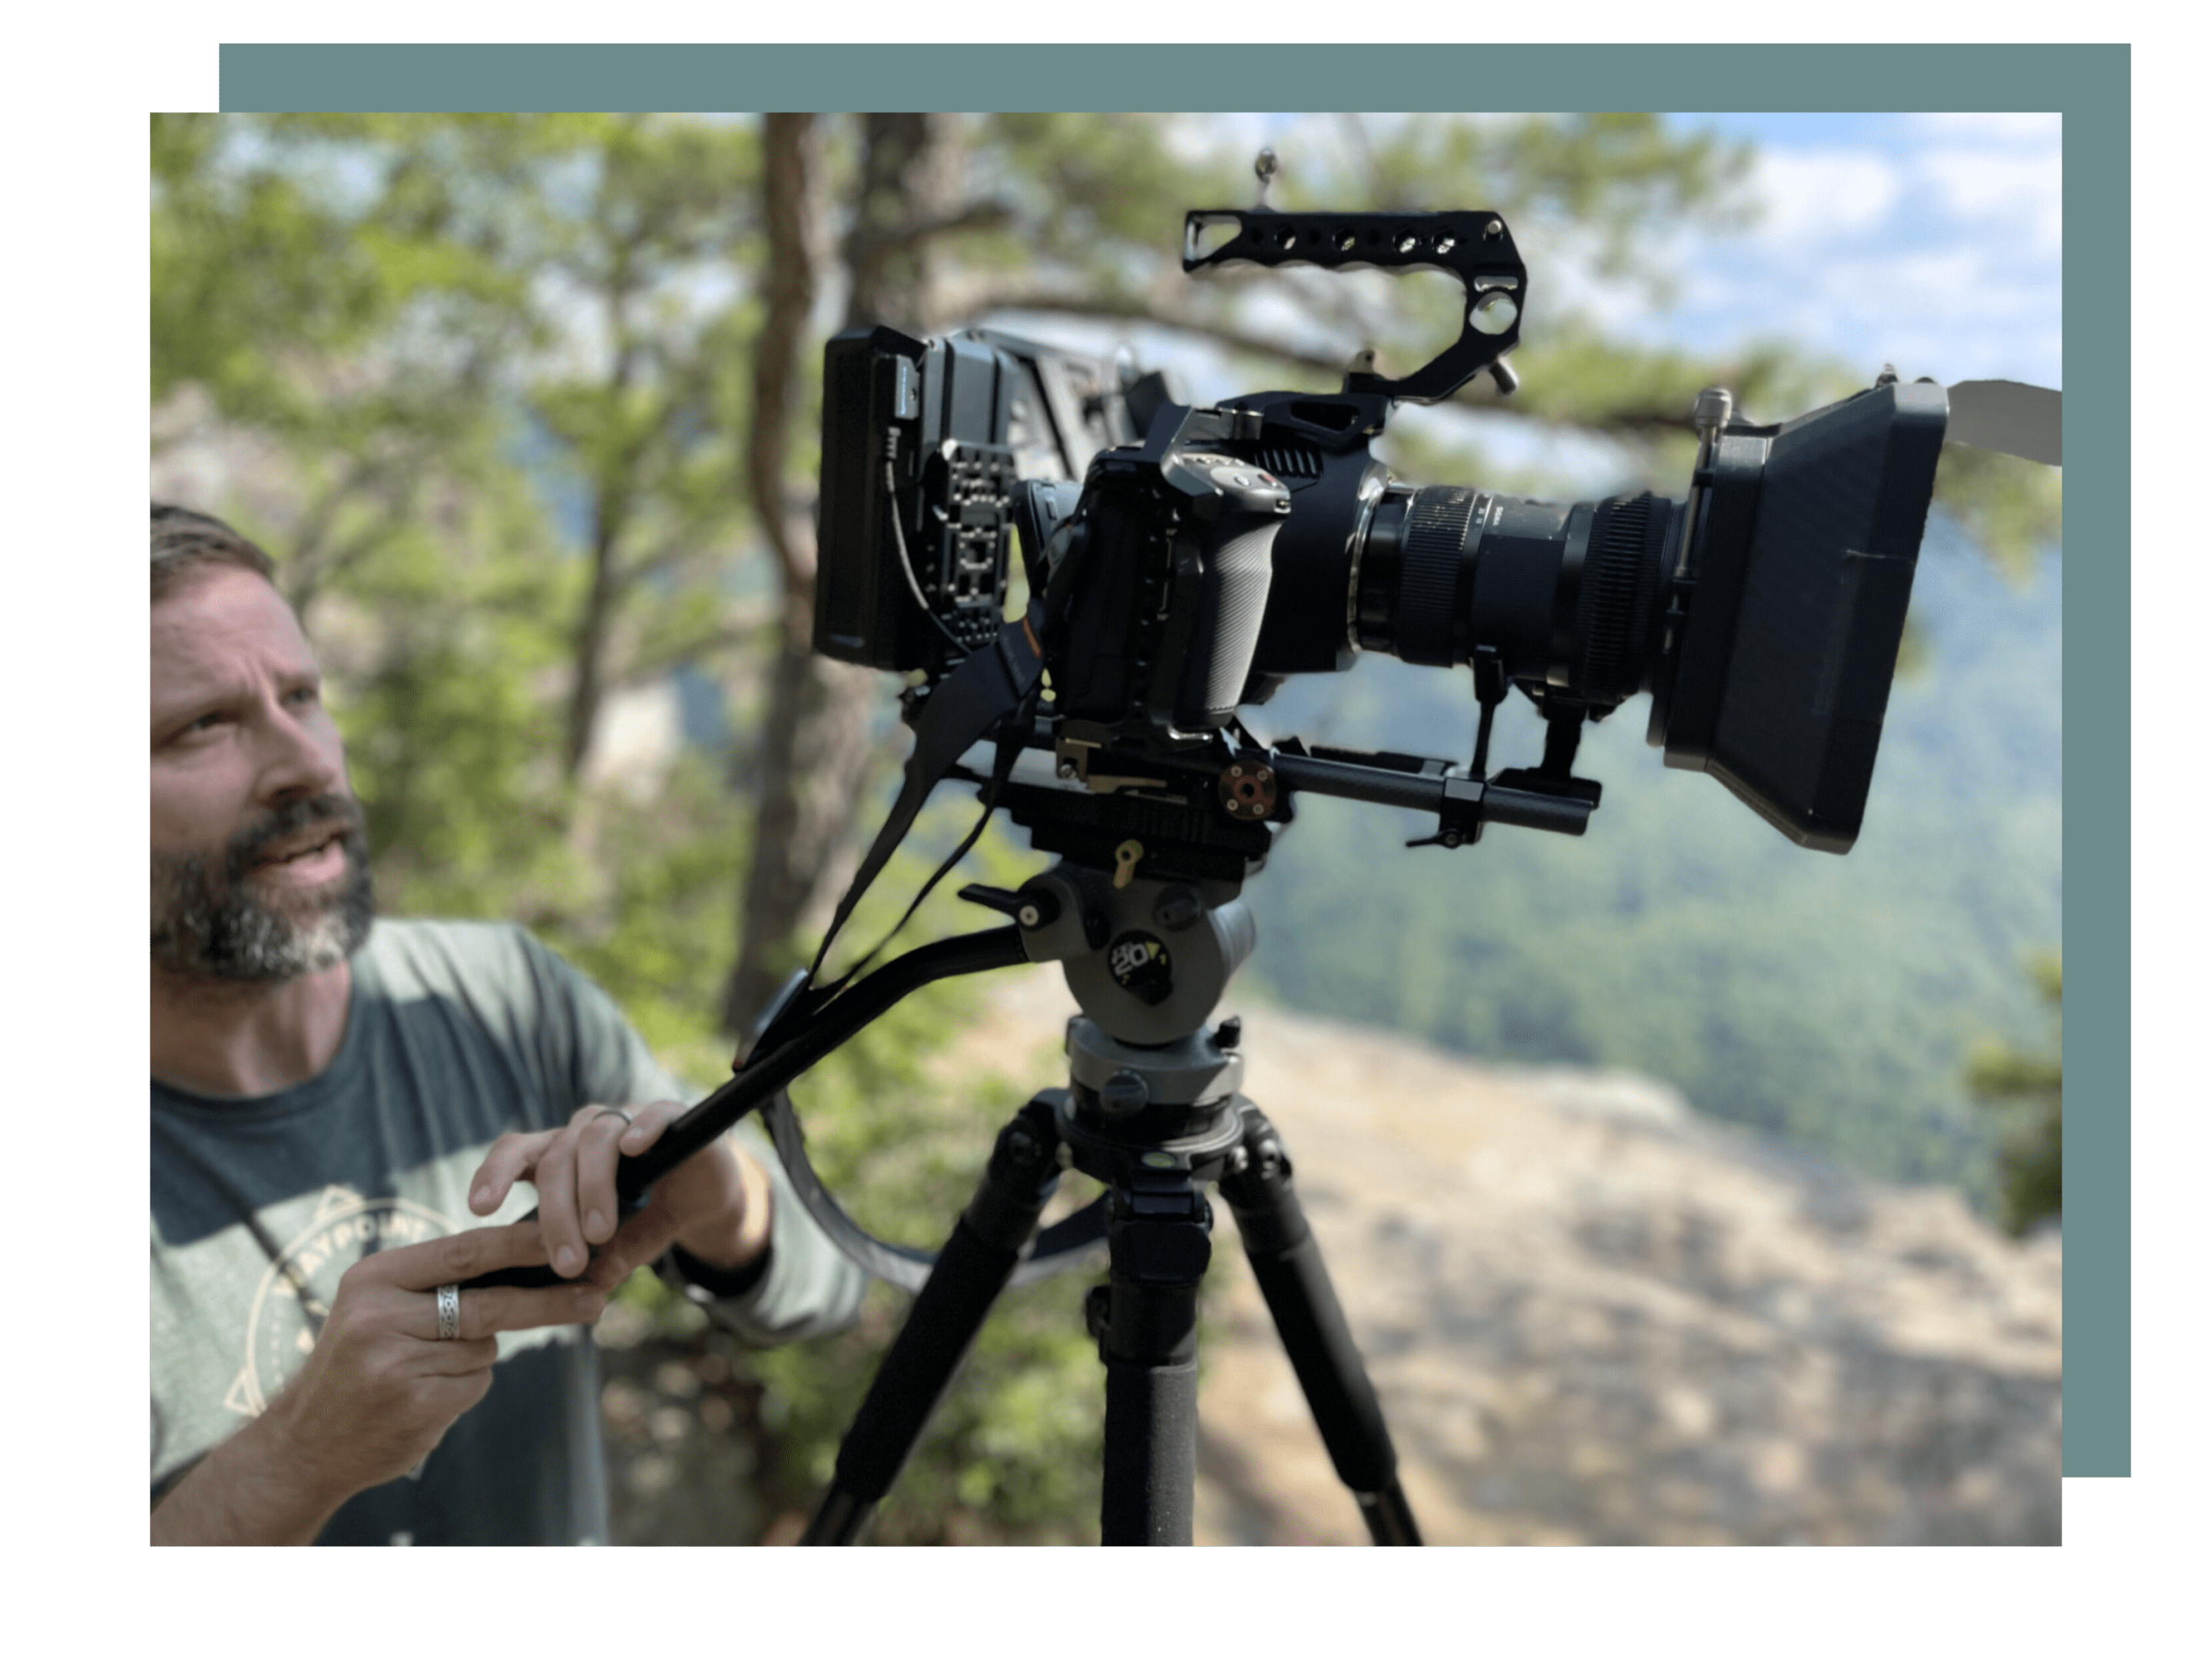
(715, 1204)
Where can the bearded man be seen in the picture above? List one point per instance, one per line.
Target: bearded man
(337, 1100)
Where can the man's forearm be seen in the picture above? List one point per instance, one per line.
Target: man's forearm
(248, 1491)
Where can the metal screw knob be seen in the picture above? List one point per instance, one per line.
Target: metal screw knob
(1712, 411)
(1124, 1093)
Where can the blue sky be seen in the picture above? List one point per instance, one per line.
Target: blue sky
(1928, 240)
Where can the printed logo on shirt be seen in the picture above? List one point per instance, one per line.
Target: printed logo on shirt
(295, 1293)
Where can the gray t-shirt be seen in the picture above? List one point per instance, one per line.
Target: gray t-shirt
(458, 1033)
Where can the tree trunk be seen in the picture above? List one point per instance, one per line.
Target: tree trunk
(814, 763)
(611, 510)
(588, 650)
(908, 194)
(814, 756)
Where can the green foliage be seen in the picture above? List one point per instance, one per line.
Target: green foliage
(1101, 196)
(2011, 508)
(2023, 1088)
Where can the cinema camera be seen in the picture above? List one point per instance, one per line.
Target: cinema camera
(1209, 553)
(1205, 555)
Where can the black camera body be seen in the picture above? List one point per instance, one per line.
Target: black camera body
(1207, 553)
(923, 442)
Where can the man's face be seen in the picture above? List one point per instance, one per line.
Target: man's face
(260, 869)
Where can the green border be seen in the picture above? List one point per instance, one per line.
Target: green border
(78, 156)
(1542, 76)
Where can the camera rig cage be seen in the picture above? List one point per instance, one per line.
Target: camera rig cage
(1209, 553)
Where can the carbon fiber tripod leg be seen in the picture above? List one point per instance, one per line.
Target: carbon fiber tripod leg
(1286, 1259)
(1145, 1319)
(941, 1326)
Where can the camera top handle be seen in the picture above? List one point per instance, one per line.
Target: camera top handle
(1475, 247)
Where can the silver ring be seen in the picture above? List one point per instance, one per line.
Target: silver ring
(614, 1111)
(449, 1312)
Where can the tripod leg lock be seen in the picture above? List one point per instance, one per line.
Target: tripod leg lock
(1147, 1329)
(1022, 1172)
(1159, 1250)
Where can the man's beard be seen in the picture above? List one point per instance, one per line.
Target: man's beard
(211, 924)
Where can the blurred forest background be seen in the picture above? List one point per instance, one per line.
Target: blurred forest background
(527, 409)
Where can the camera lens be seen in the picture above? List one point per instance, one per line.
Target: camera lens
(1565, 595)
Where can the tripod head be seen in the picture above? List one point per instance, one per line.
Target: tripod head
(1150, 1089)
(1147, 958)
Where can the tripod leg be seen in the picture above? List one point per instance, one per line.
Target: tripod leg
(1285, 1258)
(941, 1326)
(1145, 1318)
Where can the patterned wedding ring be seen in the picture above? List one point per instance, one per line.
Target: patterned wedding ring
(449, 1312)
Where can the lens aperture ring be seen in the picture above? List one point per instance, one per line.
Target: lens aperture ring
(1620, 590)
(1429, 572)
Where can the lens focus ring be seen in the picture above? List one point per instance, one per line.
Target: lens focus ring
(1619, 589)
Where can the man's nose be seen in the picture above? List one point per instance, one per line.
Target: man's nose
(298, 765)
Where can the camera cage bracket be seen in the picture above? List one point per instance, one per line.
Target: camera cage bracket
(1475, 247)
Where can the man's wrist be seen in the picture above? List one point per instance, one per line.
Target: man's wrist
(734, 1239)
(701, 1282)
(254, 1488)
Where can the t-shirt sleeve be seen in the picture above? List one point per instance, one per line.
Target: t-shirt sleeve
(811, 1288)
(596, 1052)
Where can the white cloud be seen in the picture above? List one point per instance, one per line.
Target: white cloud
(2001, 127)
(1200, 138)
(1941, 255)
(1819, 195)
(1996, 187)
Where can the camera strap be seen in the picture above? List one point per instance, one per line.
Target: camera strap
(963, 710)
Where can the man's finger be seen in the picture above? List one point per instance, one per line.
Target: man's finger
(597, 1155)
(610, 1266)
(642, 1238)
(458, 1358)
(507, 1308)
(555, 1177)
(651, 1120)
(510, 1158)
(457, 1256)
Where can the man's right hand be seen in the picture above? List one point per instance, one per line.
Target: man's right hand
(376, 1393)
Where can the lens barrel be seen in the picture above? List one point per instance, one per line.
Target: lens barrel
(1569, 596)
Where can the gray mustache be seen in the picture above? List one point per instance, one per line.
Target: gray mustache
(341, 813)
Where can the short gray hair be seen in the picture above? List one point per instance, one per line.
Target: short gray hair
(185, 541)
